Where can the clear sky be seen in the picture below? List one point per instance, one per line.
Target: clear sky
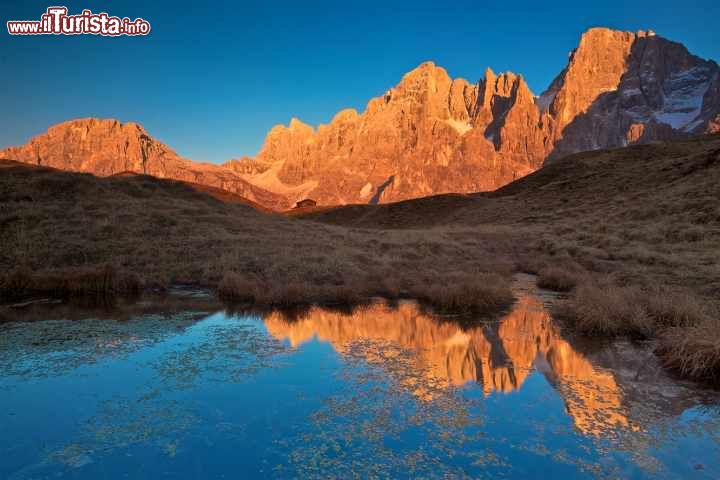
(212, 78)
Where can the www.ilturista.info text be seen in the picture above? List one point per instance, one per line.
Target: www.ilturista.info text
(56, 21)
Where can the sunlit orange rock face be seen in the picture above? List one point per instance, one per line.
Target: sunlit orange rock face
(444, 354)
(433, 134)
(108, 147)
(621, 88)
(429, 134)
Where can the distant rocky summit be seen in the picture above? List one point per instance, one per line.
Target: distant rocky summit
(108, 147)
(433, 134)
(621, 88)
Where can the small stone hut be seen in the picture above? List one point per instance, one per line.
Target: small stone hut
(308, 202)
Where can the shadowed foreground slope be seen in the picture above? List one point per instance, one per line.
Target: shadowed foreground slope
(68, 233)
(646, 211)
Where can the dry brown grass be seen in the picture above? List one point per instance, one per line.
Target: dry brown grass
(605, 310)
(480, 294)
(530, 264)
(59, 225)
(236, 288)
(98, 281)
(669, 308)
(693, 351)
(483, 293)
(560, 278)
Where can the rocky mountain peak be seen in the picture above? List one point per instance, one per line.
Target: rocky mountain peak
(104, 146)
(624, 87)
(107, 147)
(421, 86)
(595, 67)
(432, 133)
(346, 115)
(423, 73)
(296, 126)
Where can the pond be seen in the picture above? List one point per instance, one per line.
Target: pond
(184, 388)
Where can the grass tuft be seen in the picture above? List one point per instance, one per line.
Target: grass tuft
(559, 278)
(669, 308)
(692, 351)
(236, 288)
(605, 310)
(482, 294)
(90, 281)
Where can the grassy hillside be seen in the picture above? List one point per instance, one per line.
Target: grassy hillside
(645, 212)
(66, 233)
(633, 236)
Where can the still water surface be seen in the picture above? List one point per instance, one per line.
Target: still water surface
(195, 391)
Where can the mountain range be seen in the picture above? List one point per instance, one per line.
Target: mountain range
(432, 134)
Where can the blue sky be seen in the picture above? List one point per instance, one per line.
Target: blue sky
(211, 80)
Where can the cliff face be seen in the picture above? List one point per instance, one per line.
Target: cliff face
(621, 88)
(432, 134)
(429, 134)
(108, 147)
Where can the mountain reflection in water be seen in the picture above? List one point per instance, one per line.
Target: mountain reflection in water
(499, 356)
(184, 389)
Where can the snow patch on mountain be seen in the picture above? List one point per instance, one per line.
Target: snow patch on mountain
(545, 100)
(683, 97)
(366, 190)
(461, 127)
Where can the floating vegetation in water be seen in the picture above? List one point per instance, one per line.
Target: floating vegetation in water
(53, 347)
(227, 352)
(390, 413)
